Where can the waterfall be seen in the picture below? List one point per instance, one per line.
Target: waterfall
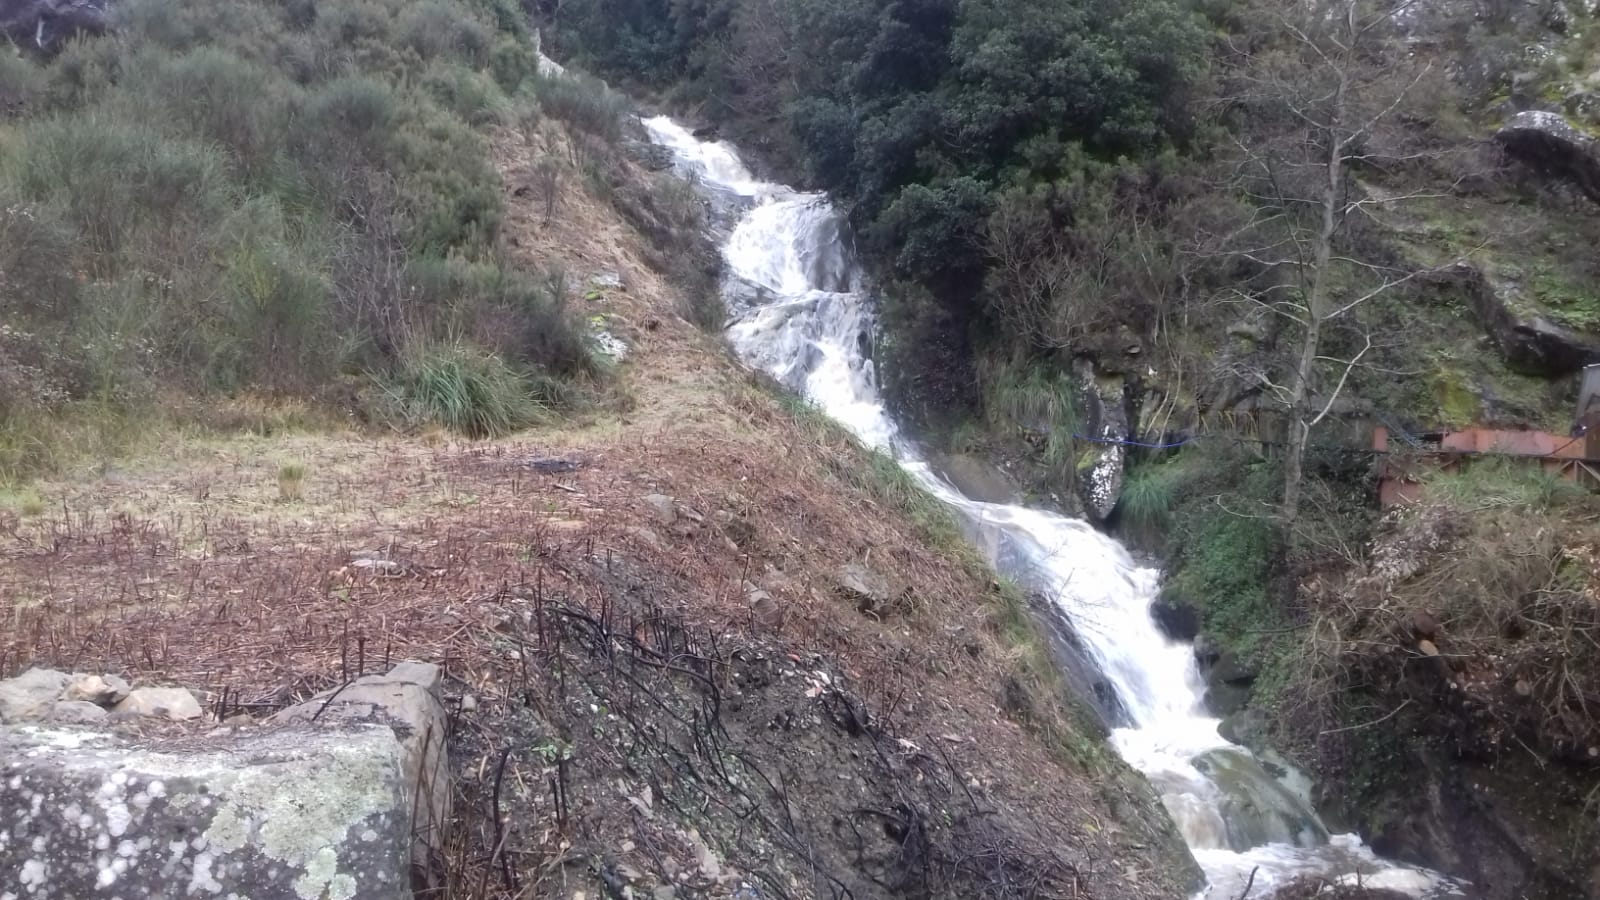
(800, 311)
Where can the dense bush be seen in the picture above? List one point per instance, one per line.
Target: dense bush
(234, 195)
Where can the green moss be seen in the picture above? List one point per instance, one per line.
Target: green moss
(1458, 403)
(1223, 542)
(1568, 300)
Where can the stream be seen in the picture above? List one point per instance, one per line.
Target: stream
(800, 310)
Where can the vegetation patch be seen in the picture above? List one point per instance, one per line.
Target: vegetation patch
(238, 197)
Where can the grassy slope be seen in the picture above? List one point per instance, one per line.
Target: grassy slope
(927, 744)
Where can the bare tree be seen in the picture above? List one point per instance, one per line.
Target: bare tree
(1330, 93)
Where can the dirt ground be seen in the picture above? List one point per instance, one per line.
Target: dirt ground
(651, 698)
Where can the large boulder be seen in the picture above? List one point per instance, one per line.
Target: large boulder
(289, 814)
(1176, 617)
(1551, 145)
(1229, 682)
(1100, 468)
(408, 701)
(44, 25)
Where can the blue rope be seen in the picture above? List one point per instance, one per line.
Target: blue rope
(1095, 440)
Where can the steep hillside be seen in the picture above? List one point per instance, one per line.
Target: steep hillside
(1221, 267)
(698, 642)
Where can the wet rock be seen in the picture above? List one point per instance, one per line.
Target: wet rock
(1257, 807)
(107, 690)
(663, 509)
(1100, 468)
(1206, 651)
(976, 477)
(407, 700)
(1176, 618)
(1247, 728)
(30, 694)
(1229, 681)
(288, 815)
(1231, 668)
(1551, 145)
(47, 24)
(172, 703)
(652, 157)
(1227, 699)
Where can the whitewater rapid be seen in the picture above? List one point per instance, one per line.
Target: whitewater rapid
(799, 309)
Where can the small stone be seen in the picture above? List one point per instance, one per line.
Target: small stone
(468, 703)
(105, 691)
(76, 712)
(662, 508)
(173, 703)
(628, 846)
(238, 720)
(666, 892)
(31, 693)
(1427, 648)
(647, 536)
(1523, 688)
(870, 590)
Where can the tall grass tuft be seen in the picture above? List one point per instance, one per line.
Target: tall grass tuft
(1021, 396)
(464, 389)
(1149, 496)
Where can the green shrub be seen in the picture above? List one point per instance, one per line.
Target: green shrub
(471, 96)
(1223, 541)
(585, 103)
(1149, 495)
(125, 186)
(220, 97)
(22, 83)
(1494, 482)
(437, 29)
(464, 389)
(35, 241)
(242, 195)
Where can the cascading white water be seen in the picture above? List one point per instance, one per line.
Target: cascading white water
(799, 312)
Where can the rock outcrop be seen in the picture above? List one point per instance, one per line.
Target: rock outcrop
(1555, 147)
(45, 25)
(294, 814)
(1100, 468)
(1528, 342)
(342, 797)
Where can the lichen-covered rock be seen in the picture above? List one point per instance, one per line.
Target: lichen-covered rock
(76, 712)
(102, 690)
(29, 695)
(406, 700)
(172, 703)
(292, 814)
